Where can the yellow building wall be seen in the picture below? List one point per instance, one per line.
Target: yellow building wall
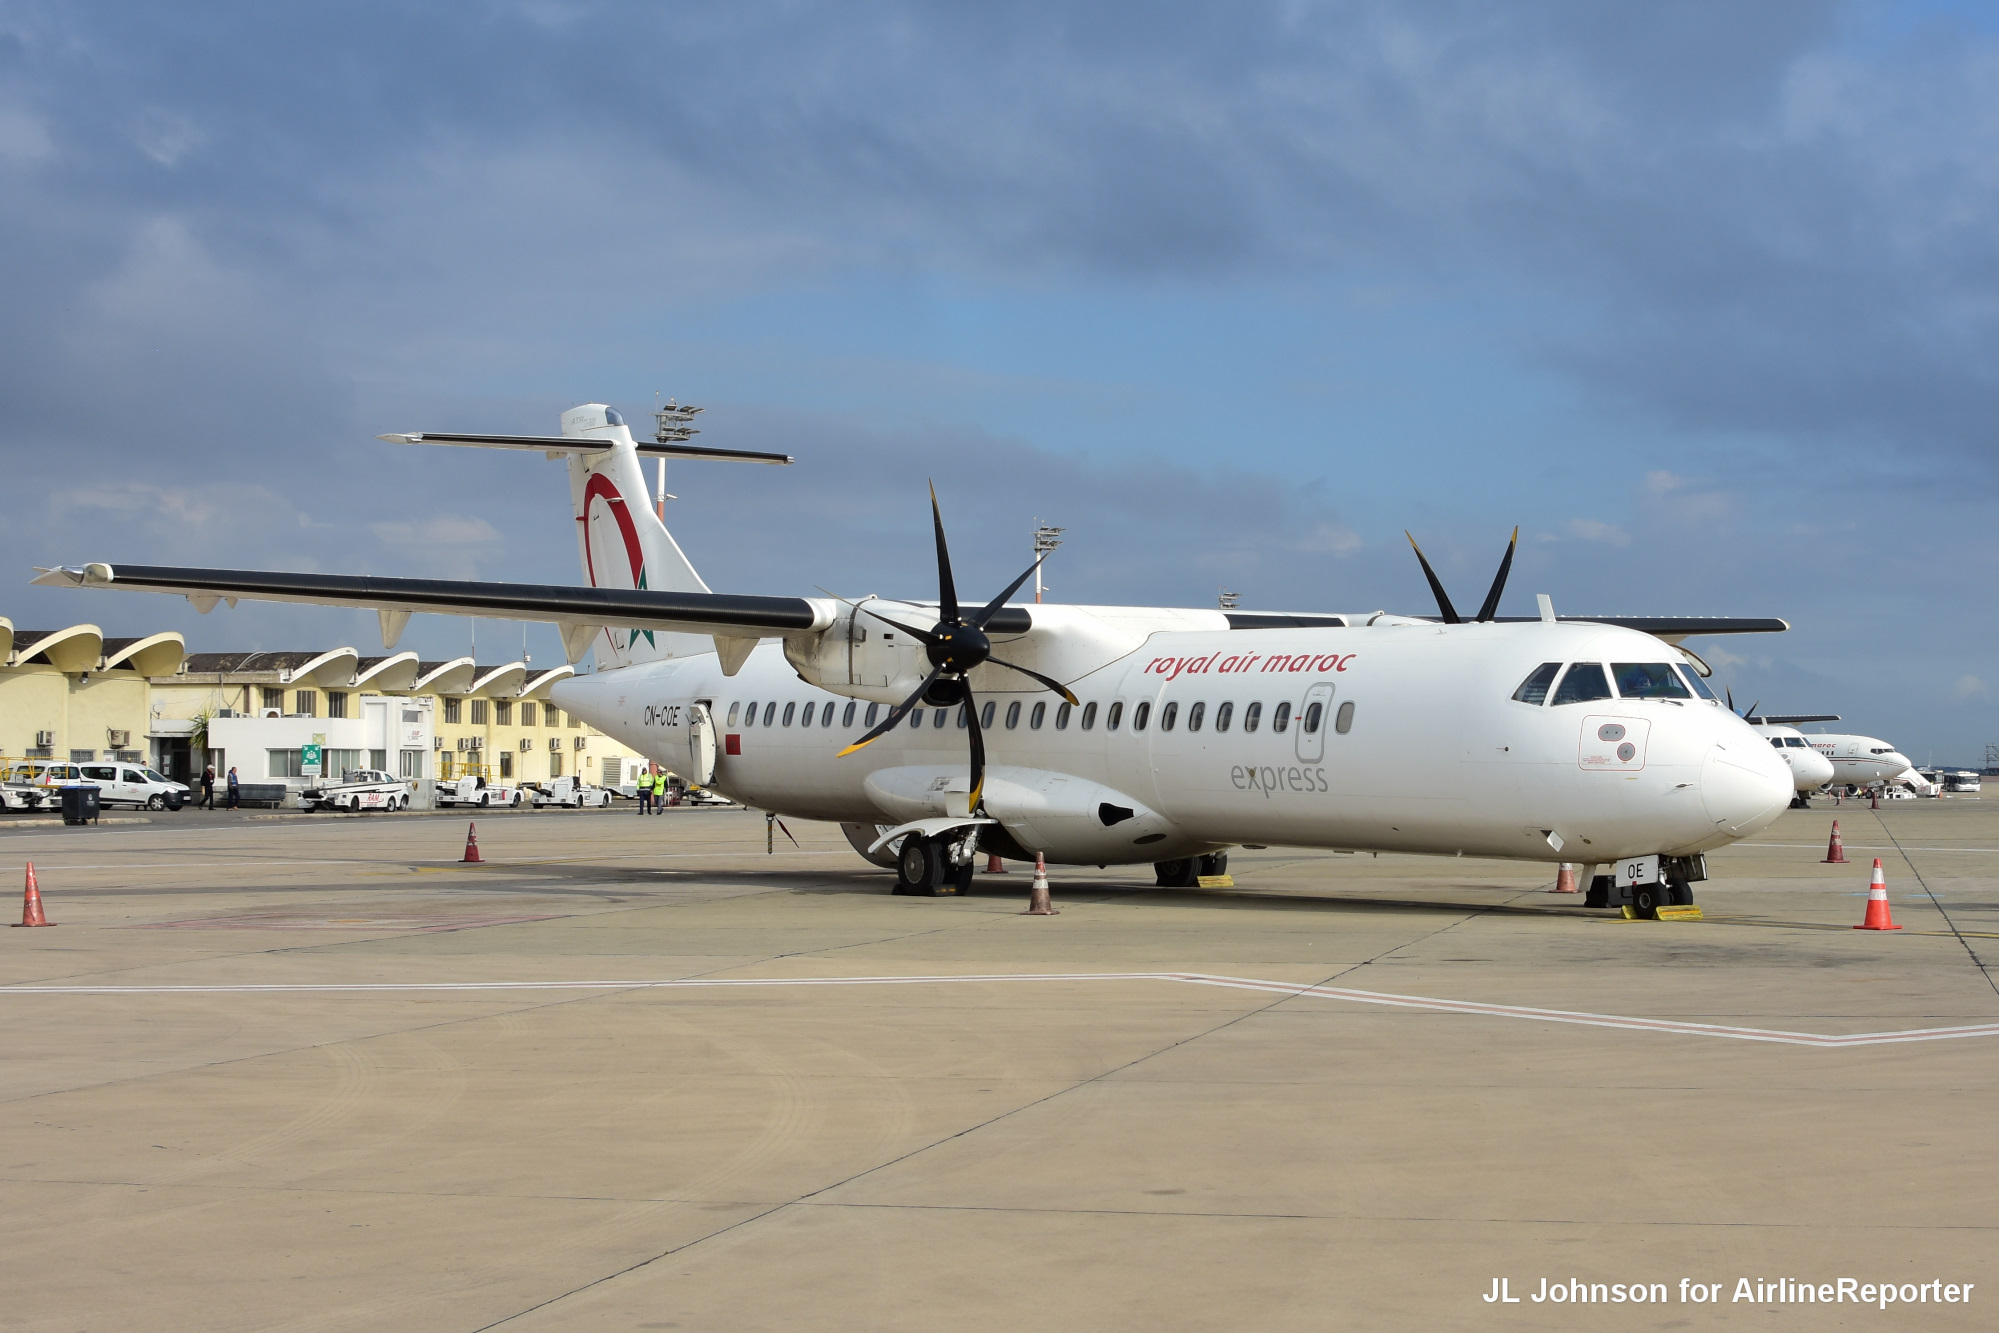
(530, 765)
(82, 713)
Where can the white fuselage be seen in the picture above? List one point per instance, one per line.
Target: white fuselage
(1809, 768)
(1422, 748)
(1861, 761)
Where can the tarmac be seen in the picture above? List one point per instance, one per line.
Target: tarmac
(642, 1074)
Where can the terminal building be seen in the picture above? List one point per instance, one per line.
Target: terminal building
(73, 694)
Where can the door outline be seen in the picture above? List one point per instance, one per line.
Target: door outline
(1312, 744)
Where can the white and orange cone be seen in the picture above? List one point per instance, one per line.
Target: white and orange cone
(1878, 917)
(1565, 880)
(472, 856)
(31, 903)
(1835, 850)
(1038, 903)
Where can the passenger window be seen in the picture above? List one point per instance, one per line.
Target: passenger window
(770, 711)
(986, 715)
(1168, 716)
(1585, 681)
(847, 718)
(874, 711)
(826, 713)
(1035, 718)
(916, 717)
(750, 716)
(1195, 712)
(1280, 718)
(789, 710)
(1116, 716)
(964, 716)
(735, 711)
(1648, 680)
(940, 717)
(1343, 720)
(1013, 715)
(1062, 717)
(1089, 715)
(1534, 689)
(1141, 713)
(1252, 716)
(1223, 714)
(1315, 713)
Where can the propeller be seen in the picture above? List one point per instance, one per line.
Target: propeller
(956, 646)
(1490, 607)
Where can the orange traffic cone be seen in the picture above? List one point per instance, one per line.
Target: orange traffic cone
(1877, 903)
(995, 866)
(1037, 897)
(1873, 798)
(1835, 850)
(31, 903)
(1565, 879)
(472, 845)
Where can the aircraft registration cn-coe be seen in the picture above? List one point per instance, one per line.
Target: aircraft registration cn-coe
(1106, 735)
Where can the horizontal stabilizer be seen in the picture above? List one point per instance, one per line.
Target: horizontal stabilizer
(575, 444)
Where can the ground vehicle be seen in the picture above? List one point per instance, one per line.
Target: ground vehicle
(572, 793)
(475, 789)
(20, 792)
(358, 789)
(129, 784)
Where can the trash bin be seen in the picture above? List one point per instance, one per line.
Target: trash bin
(79, 805)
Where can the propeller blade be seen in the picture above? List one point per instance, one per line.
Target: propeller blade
(980, 618)
(978, 739)
(920, 635)
(896, 714)
(947, 591)
(1451, 616)
(1491, 606)
(1731, 700)
(1054, 685)
(1749, 713)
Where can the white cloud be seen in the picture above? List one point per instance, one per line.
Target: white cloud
(1596, 530)
(166, 137)
(1969, 687)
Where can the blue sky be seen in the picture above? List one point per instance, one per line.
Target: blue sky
(1705, 299)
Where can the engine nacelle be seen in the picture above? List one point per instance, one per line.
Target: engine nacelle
(860, 656)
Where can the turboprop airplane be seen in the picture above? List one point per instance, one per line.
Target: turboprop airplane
(1809, 768)
(939, 731)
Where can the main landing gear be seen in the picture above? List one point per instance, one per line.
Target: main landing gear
(930, 868)
(1186, 872)
(1644, 900)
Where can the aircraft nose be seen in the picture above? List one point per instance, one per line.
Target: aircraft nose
(1814, 767)
(1745, 787)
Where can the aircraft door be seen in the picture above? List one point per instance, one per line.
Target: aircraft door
(1314, 718)
(700, 745)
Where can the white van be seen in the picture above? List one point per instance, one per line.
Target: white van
(129, 784)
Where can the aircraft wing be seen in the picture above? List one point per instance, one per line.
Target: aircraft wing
(1675, 628)
(572, 444)
(581, 612)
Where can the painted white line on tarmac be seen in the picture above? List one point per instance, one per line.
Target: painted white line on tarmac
(1299, 989)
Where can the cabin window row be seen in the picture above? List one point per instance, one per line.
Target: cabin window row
(1195, 718)
(1585, 682)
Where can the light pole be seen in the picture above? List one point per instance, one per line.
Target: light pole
(672, 429)
(1045, 540)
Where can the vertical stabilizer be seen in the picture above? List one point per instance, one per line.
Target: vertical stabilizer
(622, 542)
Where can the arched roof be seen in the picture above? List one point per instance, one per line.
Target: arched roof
(499, 682)
(536, 685)
(452, 677)
(330, 668)
(394, 673)
(154, 655)
(69, 650)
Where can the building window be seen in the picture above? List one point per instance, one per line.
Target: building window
(527, 714)
(452, 708)
(336, 703)
(554, 716)
(503, 712)
(378, 760)
(274, 699)
(506, 763)
(575, 722)
(412, 764)
(478, 712)
(555, 763)
(284, 764)
(308, 703)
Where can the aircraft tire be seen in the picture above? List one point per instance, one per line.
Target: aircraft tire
(1679, 893)
(1645, 901)
(918, 867)
(1179, 874)
(1216, 864)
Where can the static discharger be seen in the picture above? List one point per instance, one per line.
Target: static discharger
(31, 903)
(1878, 917)
(472, 856)
(1835, 849)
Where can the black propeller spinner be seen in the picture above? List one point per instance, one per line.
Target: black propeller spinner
(1490, 608)
(956, 646)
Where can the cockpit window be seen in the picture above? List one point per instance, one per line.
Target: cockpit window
(1795, 743)
(1694, 679)
(611, 417)
(1648, 680)
(1584, 682)
(1534, 689)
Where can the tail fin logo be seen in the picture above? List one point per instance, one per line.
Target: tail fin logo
(600, 488)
